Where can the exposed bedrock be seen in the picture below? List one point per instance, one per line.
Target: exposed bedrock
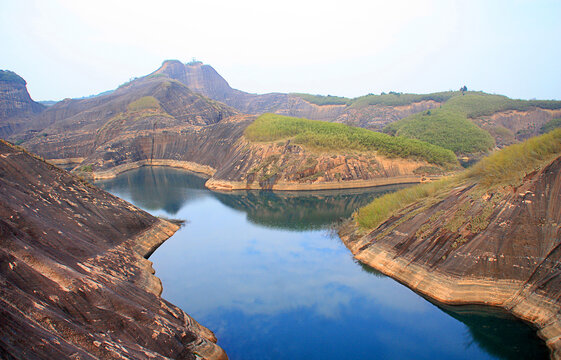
(499, 248)
(519, 125)
(75, 281)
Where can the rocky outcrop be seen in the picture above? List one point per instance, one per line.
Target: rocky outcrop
(517, 125)
(473, 245)
(16, 106)
(75, 280)
(77, 128)
(286, 166)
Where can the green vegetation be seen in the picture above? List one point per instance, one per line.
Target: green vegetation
(86, 168)
(398, 99)
(506, 167)
(510, 165)
(338, 137)
(550, 126)
(448, 129)
(373, 214)
(323, 100)
(476, 104)
(10, 76)
(146, 102)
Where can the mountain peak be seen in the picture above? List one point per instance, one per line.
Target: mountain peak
(11, 77)
(198, 77)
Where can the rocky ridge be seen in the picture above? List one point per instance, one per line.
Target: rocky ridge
(75, 281)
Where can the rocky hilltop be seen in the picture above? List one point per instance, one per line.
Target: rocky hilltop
(76, 129)
(75, 281)
(204, 79)
(16, 106)
(483, 238)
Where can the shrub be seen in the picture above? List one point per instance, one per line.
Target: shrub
(550, 125)
(146, 102)
(448, 129)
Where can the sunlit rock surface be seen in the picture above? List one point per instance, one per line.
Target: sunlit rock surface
(75, 283)
(498, 248)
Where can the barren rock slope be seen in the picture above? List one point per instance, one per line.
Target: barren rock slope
(74, 280)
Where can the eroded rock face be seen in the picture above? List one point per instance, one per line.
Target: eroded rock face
(522, 125)
(15, 103)
(286, 166)
(75, 283)
(497, 248)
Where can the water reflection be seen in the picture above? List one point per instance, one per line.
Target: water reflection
(161, 188)
(287, 289)
(304, 210)
(157, 188)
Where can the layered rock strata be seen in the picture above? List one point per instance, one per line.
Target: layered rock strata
(75, 280)
(474, 246)
(16, 106)
(286, 166)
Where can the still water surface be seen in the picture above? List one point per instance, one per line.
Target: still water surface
(264, 271)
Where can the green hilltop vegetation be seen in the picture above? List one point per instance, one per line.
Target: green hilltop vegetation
(337, 137)
(476, 104)
(450, 125)
(399, 99)
(390, 99)
(446, 128)
(506, 167)
(322, 99)
(10, 76)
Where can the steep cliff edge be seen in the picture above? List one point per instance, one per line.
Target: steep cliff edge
(75, 283)
(492, 240)
(16, 106)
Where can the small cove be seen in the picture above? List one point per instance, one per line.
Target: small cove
(265, 272)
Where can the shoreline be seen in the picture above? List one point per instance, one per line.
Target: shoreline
(227, 186)
(512, 296)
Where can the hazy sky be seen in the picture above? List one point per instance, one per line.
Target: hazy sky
(69, 48)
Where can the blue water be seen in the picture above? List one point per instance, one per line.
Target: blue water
(268, 275)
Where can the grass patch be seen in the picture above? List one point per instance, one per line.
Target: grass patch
(510, 165)
(146, 102)
(373, 214)
(399, 99)
(339, 137)
(550, 126)
(446, 128)
(322, 99)
(476, 104)
(505, 167)
(86, 168)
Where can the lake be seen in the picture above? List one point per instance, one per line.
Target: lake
(266, 272)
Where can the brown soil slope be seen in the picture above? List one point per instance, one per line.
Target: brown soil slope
(499, 248)
(75, 283)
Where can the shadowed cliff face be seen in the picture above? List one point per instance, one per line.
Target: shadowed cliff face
(497, 247)
(75, 282)
(16, 106)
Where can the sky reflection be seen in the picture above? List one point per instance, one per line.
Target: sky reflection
(264, 272)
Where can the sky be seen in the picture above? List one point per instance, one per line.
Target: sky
(69, 48)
